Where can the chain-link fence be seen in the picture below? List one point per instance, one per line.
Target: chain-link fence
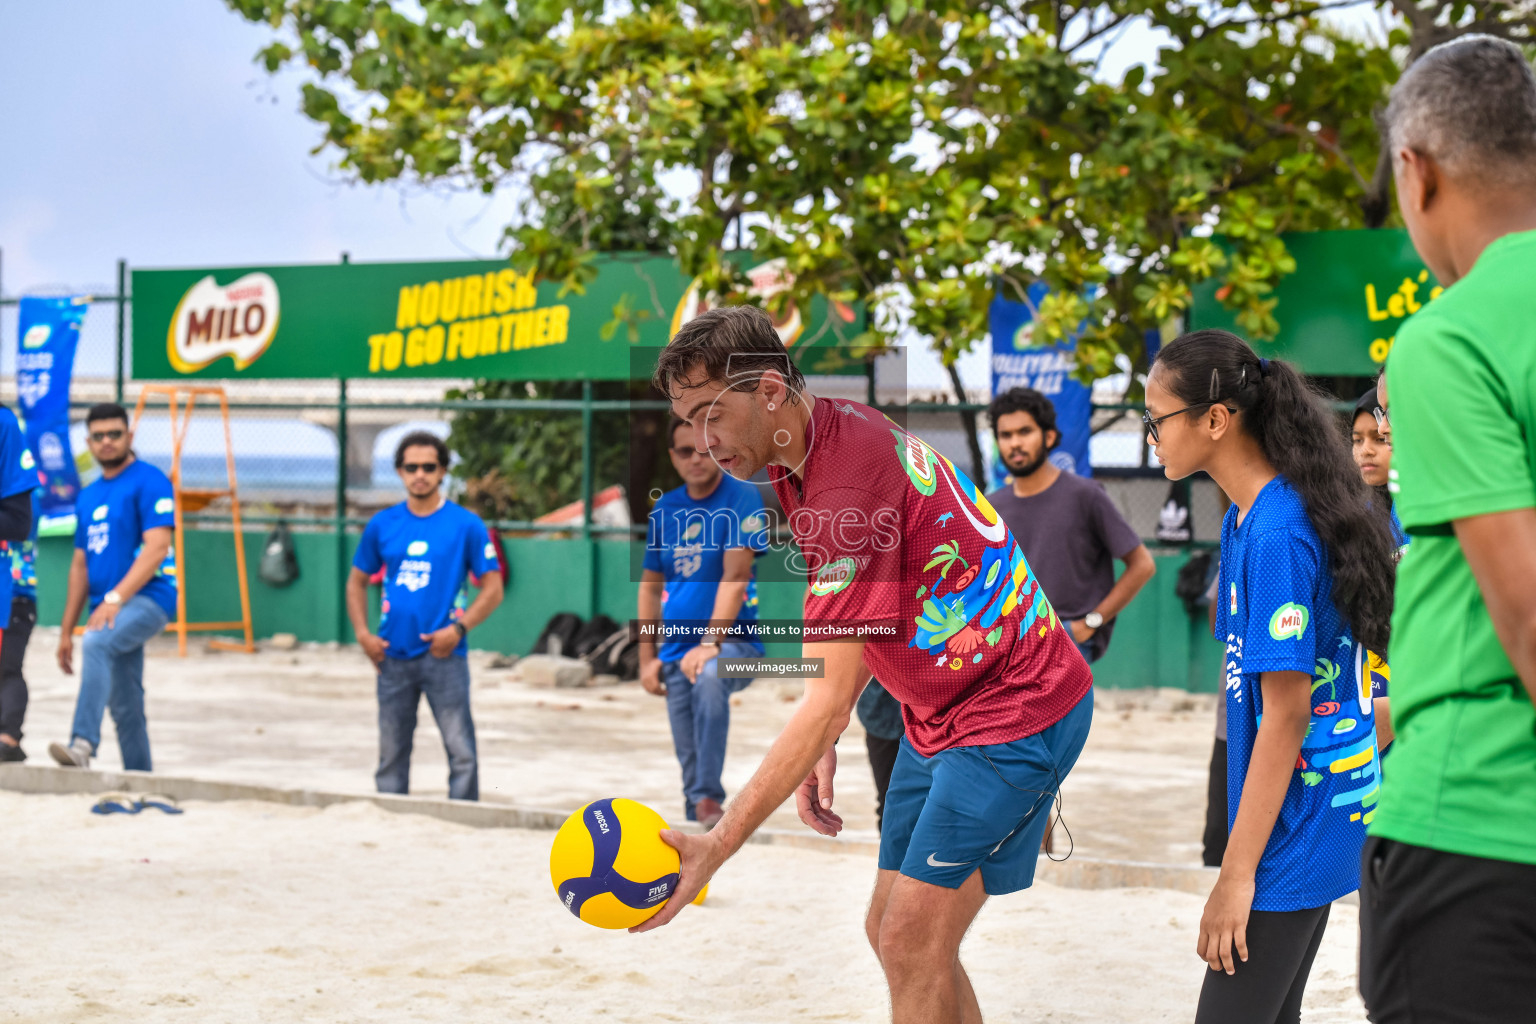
(315, 457)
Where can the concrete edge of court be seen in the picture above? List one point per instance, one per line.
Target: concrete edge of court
(1072, 873)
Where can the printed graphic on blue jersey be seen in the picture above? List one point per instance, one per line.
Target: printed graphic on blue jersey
(686, 542)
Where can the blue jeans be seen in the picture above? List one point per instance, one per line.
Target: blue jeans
(701, 716)
(1086, 650)
(112, 677)
(445, 682)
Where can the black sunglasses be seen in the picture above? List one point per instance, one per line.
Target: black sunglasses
(1151, 422)
(685, 451)
(107, 435)
(411, 468)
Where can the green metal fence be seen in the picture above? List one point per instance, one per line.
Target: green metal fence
(586, 567)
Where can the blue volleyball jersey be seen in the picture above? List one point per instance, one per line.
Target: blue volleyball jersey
(1277, 615)
(112, 516)
(427, 561)
(686, 542)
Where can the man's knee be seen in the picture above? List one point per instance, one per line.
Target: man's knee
(872, 928)
(917, 937)
(95, 642)
(105, 642)
(908, 947)
(712, 691)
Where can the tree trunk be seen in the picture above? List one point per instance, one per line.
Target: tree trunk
(968, 423)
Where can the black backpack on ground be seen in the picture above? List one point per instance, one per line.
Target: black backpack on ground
(590, 636)
(618, 655)
(558, 635)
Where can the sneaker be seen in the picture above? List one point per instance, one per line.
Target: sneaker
(710, 812)
(12, 752)
(76, 755)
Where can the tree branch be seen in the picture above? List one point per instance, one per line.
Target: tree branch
(1097, 32)
(1290, 15)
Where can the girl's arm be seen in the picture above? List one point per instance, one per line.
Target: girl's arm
(1287, 713)
(1381, 708)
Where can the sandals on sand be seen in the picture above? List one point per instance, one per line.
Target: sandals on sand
(116, 803)
(127, 803)
(159, 803)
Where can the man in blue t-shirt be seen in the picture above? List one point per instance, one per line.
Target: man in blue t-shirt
(124, 565)
(17, 562)
(427, 546)
(18, 479)
(698, 582)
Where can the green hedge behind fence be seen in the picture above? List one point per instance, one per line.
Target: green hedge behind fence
(1155, 642)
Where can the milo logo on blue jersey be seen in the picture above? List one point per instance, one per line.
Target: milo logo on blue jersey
(1341, 738)
(1289, 620)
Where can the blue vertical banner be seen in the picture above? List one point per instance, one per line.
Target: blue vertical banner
(48, 333)
(1017, 362)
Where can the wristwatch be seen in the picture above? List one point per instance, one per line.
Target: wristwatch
(463, 632)
(112, 597)
(1093, 620)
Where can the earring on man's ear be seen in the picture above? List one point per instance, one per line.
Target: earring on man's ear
(770, 407)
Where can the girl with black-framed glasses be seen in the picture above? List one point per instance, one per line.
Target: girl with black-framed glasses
(1304, 592)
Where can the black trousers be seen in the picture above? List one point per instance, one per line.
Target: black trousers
(1267, 989)
(13, 648)
(882, 761)
(1216, 807)
(1446, 938)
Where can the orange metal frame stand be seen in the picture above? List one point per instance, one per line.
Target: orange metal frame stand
(181, 401)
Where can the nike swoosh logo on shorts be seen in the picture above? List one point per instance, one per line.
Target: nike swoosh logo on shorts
(944, 863)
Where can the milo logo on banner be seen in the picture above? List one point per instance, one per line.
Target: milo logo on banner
(766, 280)
(212, 321)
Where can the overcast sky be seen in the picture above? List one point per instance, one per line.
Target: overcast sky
(142, 130)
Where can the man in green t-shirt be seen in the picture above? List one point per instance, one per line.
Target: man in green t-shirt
(1448, 883)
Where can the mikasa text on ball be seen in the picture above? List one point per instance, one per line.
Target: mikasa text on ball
(610, 866)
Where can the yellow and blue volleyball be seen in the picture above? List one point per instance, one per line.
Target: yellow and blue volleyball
(610, 866)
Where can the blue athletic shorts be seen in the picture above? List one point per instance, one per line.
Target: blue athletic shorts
(983, 806)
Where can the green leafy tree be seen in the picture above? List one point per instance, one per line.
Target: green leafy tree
(917, 155)
(521, 464)
(910, 153)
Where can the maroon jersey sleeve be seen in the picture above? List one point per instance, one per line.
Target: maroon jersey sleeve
(851, 541)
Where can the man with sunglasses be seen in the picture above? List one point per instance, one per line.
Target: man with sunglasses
(698, 583)
(428, 547)
(125, 567)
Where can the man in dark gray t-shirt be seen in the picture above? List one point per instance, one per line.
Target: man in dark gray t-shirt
(1069, 530)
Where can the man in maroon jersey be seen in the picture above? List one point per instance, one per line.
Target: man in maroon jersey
(914, 576)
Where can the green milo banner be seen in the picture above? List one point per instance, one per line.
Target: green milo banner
(470, 318)
(1341, 308)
